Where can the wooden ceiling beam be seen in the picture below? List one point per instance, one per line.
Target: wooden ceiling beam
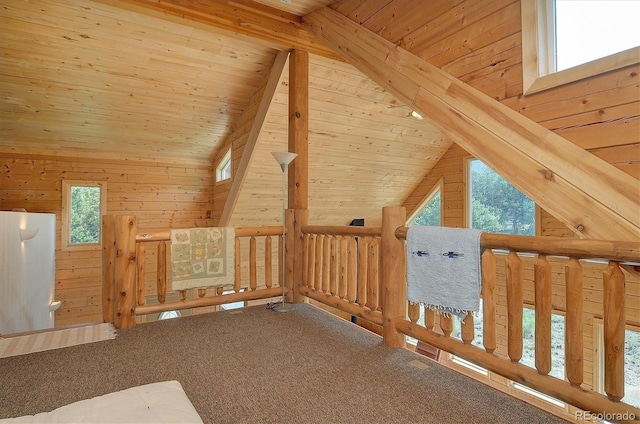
(246, 19)
(589, 195)
(268, 94)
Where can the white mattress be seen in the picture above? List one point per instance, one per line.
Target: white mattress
(164, 402)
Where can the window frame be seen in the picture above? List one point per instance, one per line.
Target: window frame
(437, 188)
(67, 185)
(220, 168)
(538, 52)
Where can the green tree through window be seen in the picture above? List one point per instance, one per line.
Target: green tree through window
(496, 205)
(430, 214)
(85, 215)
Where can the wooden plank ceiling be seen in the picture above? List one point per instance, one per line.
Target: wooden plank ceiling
(98, 79)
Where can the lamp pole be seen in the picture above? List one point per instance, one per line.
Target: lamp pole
(284, 159)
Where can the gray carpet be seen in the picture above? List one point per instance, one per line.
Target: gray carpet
(260, 366)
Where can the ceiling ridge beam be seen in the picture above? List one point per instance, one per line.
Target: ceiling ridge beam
(267, 97)
(591, 196)
(255, 22)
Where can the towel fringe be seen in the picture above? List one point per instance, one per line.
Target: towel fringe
(449, 314)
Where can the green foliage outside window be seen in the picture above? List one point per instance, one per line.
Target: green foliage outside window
(497, 206)
(430, 214)
(85, 215)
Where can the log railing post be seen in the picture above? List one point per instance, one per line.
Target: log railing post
(542, 279)
(514, 307)
(161, 277)
(488, 301)
(141, 260)
(108, 267)
(394, 290)
(125, 271)
(614, 321)
(573, 327)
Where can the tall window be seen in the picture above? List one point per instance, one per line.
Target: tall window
(83, 204)
(223, 170)
(495, 205)
(568, 40)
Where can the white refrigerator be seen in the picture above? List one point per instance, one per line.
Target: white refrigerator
(27, 271)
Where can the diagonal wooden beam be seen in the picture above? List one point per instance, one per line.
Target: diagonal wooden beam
(589, 195)
(241, 18)
(268, 94)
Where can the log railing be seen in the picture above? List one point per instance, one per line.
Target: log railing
(342, 269)
(124, 275)
(341, 265)
(537, 378)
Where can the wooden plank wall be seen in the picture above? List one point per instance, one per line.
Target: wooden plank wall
(361, 140)
(160, 195)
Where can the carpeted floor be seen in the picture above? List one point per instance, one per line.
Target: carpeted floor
(259, 366)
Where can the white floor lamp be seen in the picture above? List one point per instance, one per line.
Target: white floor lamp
(284, 159)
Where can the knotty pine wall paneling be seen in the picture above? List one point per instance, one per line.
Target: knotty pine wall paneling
(159, 195)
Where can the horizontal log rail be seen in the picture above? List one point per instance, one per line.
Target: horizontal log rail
(571, 390)
(240, 232)
(124, 276)
(342, 269)
(557, 246)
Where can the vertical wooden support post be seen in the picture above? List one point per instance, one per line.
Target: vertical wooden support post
(311, 261)
(326, 263)
(614, 297)
(489, 301)
(280, 264)
(394, 292)
(344, 262)
(299, 169)
(373, 286)
(141, 256)
(446, 324)
(429, 318)
(299, 253)
(514, 307)
(352, 268)
(414, 312)
(161, 274)
(299, 129)
(573, 323)
(108, 267)
(317, 275)
(542, 281)
(468, 332)
(333, 281)
(238, 257)
(268, 277)
(125, 271)
(363, 249)
(253, 264)
(289, 254)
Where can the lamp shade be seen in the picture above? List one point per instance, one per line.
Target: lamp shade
(284, 158)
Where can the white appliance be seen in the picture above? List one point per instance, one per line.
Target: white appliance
(27, 271)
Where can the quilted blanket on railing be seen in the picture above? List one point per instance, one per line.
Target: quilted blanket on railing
(202, 257)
